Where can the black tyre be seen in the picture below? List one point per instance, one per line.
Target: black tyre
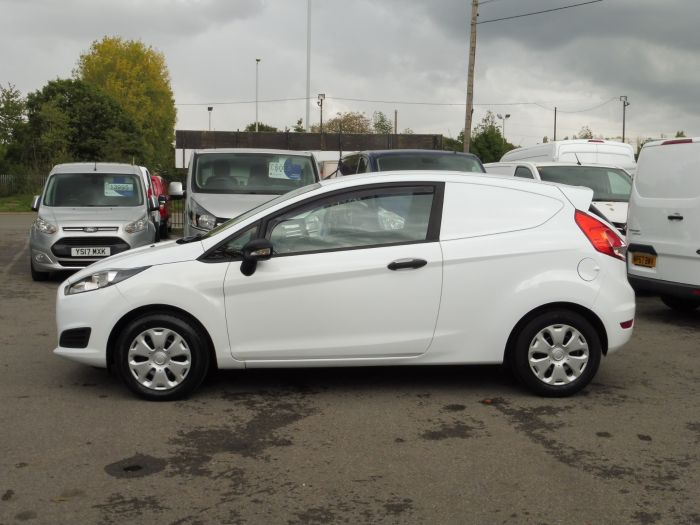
(164, 230)
(680, 305)
(37, 276)
(556, 353)
(162, 356)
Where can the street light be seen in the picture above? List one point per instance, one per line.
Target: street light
(623, 99)
(257, 63)
(321, 98)
(210, 109)
(503, 126)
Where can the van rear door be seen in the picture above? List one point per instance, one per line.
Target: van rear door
(664, 219)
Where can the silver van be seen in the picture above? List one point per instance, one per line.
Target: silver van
(223, 183)
(86, 212)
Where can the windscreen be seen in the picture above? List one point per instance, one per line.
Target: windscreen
(419, 161)
(93, 189)
(262, 173)
(608, 184)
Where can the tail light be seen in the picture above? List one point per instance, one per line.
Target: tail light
(676, 141)
(601, 236)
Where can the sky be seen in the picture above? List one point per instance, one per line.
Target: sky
(408, 56)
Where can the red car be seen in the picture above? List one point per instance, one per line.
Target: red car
(160, 190)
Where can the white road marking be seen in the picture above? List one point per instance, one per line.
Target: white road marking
(15, 258)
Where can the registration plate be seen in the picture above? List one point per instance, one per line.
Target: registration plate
(90, 252)
(644, 259)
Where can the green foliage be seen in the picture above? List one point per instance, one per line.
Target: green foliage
(12, 107)
(487, 142)
(348, 123)
(680, 134)
(450, 144)
(69, 120)
(299, 126)
(381, 123)
(261, 127)
(137, 78)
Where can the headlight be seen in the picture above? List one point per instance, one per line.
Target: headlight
(201, 218)
(101, 280)
(137, 226)
(44, 226)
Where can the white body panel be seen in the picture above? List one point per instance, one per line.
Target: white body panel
(595, 151)
(345, 308)
(665, 211)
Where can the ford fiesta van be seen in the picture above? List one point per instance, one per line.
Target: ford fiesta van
(89, 211)
(663, 229)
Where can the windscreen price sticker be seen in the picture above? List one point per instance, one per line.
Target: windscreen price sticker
(275, 170)
(118, 189)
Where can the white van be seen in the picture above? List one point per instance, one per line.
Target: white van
(585, 151)
(611, 185)
(664, 223)
(224, 183)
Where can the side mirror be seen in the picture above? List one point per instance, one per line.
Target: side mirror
(153, 204)
(254, 251)
(175, 190)
(35, 202)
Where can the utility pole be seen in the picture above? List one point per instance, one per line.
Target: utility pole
(623, 99)
(209, 110)
(470, 78)
(555, 123)
(308, 63)
(396, 121)
(321, 98)
(257, 63)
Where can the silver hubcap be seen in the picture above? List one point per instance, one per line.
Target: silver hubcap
(159, 358)
(558, 354)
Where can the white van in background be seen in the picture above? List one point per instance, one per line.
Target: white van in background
(611, 185)
(224, 183)
(584, 151)
(664, 223)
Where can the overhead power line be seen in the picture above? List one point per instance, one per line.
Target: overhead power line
(538, 12)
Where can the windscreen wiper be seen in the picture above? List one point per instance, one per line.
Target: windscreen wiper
(191, 238)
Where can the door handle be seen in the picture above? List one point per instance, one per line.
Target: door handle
(407, 264)
(676, 217)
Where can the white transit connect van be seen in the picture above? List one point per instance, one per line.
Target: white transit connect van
(584, 151)
(664, 223)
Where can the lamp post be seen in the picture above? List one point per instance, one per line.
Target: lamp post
(623, 99)
(209, 110)
(503, 125)
(257, 63)
(321, 98)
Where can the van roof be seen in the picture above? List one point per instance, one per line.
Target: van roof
(252, 150)
(96, 167)
(673, 141)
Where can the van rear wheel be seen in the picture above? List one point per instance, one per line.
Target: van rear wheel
(680, 305)
(556, 353)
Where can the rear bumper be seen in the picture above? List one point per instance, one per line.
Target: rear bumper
(659, 287)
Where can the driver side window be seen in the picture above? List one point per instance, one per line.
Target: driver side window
(354, 220)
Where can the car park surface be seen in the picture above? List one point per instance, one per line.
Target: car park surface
(367, 445)
(401, 259)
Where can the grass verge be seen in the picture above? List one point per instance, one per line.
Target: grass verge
(15, 203)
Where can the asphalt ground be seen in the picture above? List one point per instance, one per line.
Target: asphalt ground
(382, 445)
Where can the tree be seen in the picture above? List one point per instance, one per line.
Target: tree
(299, 126)
(12, 107)
(487, 142)
(71, 120)
(585, 133)
(261, 127)
(680, 134)
(350, 122)
(136, 77)
(381, 123)
(545, 139)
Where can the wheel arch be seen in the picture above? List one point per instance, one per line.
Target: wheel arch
(153, 309)
(589, 315)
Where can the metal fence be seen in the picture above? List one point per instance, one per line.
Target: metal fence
(11, 184)
(177, 217)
